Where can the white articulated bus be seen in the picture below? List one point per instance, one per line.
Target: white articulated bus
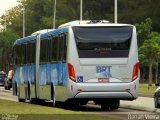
(84, 61)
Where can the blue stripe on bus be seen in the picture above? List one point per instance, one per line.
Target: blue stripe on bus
(21, 76)
(54, 73)
(48, 73)
(31, 74)
(16, 74)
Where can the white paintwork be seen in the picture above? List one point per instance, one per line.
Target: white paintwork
(42, 31)
(122, 68)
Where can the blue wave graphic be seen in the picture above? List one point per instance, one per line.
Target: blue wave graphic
(104, 75)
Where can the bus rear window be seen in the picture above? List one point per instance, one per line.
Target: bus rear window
(103, 42)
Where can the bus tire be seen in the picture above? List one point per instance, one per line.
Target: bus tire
(71, 104)
(115, 104)
(21, 100)
(104, 106)
(84, 102)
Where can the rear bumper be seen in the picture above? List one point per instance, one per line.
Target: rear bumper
(93, 95)
(125, 91)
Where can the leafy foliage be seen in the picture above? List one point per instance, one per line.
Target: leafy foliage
(6, 42)
(144, 30)
(39, 13)
(149, 52)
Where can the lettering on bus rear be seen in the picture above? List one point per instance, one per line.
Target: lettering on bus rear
(100, 69)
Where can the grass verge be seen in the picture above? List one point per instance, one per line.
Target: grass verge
(145, 90)
(27, 111)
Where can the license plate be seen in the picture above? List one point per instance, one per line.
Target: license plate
(103, 80)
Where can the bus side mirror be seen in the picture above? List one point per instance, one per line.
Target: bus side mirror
(157, 84)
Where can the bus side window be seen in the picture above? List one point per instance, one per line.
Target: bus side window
(29, 53)
(15, 58)
(33, 57)
(25, 53)
(19, 52)
(44, 51)
(54, 49)
(63, 47)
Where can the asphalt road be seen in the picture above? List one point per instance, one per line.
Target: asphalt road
(143, 107)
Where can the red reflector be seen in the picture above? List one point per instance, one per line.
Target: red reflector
(134, 87)
(71, 72)
(71, 88)
(135, 71)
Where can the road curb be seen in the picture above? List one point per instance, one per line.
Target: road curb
(140, 108)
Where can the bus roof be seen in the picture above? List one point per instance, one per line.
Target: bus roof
(42, 31)
(92, 23)
(43, 35)
(25, 39)
(53, 32)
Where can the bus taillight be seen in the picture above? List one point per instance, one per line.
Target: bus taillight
(135, 71)
(71, 72)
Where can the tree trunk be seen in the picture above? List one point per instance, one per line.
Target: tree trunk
(150, 74)
(156, 72)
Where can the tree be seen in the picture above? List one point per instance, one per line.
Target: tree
(144, 30)
(6, 42)
(13, 19)
(39, 13)
(150, 52)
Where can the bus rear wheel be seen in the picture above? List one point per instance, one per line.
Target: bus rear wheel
(115, 104)
(110, 104)
(104, 106)
(21, 100)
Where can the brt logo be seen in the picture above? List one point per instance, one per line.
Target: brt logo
(103, 69)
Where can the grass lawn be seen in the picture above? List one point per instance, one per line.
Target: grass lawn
(27, 111)
(143, 89)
